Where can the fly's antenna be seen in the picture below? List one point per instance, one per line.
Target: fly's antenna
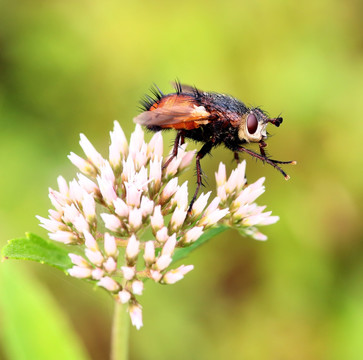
(277, 121)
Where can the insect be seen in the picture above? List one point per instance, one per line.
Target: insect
(210, 118)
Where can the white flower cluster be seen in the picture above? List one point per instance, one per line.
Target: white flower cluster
(131, 192)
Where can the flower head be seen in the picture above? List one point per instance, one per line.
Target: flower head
(111, 203)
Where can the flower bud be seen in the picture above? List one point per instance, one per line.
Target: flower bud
(109, 284)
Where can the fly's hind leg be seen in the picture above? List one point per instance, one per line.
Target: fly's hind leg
(179, 137)
(206, 148)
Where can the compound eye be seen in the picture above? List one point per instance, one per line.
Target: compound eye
(252, 123)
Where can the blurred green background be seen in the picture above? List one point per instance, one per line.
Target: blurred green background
(74, 66)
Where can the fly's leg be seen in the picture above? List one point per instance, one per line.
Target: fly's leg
(262, 145)
(206, 148)
(267, 160)
(179, 137)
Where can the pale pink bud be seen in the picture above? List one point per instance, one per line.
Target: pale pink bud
(259, 236)
(141, 179)
(156, 275)
(169, 190)
(155, 146)
(212, 218)
(193, 234)
(136, 315)
(133, 194)
(260, 219)
(63, 186)
(88, 184)
(90, 241)
(250, 193)
(186, 160)
(107, 172)
(121, 209)
(137, 287)
(128, 169)
(110, 245)
(221, 193)
(135, 218)
(146, 206)
(128, 272)
(137, 137)
(81, 224)
(97, 274)
(118, 145)
(157, 219)
(163, 262)
(173, 166)
(133, 248)
(200, 204)
(149, 253)
(162, 235)
(241, 212)
(241, 174)
(50, 224)
(269, 220)
(75, 191)
(107, 190)
(70, 213)
(232, 182)
(172, 276)
(56, 201)
(85, 166)
(109, 284)
(80, 272)
(212, 207)
(110, 265)
(136, 141)
(180, 198)
(92, 154)
(124, 296)
(155, 173)
(177, 219)
(89, 207)
(141, 157)
(95, 257)
(169, 246)
(55, 215)
(78, 260)
(221, 175)
(59, 198)
(112, 222)
(63, 237)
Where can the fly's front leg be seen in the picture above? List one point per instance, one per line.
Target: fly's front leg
(262, 146)
(268, 161)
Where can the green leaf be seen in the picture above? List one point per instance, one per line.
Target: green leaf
(181, 253)
(33, 247)
(33, 325)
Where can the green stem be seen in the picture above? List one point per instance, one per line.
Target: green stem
(120, 332)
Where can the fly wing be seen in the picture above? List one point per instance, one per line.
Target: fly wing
(176, 117)
(177, 111)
